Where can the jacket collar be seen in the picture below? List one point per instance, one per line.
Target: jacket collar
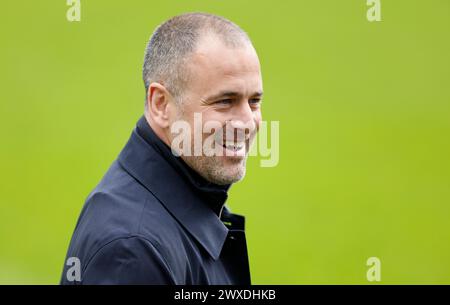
(193, 201)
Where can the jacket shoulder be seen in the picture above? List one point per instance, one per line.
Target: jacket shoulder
(120, 208)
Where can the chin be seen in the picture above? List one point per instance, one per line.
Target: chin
(219, 170)
(229, 175)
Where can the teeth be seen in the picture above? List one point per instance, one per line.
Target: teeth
(232, 143)
(234, 146)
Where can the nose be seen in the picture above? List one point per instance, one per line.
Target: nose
(243, 120)
(243, 114)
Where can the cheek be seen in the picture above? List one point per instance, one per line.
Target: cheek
(215, 119)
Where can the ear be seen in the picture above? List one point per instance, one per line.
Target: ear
(158, 98)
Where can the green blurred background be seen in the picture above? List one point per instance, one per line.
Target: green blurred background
(364, 111)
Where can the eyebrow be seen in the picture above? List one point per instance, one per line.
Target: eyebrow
(225, 94)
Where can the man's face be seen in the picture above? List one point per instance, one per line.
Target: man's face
(225, 87)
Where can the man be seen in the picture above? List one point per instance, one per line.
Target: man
(158, 214)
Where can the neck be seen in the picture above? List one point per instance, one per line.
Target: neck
(156, 129)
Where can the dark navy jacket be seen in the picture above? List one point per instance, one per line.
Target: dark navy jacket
(153, 220)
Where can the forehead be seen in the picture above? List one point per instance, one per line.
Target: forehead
(216, 66)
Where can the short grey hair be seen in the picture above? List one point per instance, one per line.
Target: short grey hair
(176, 38)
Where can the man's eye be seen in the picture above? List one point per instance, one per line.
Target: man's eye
(254, 101)
(224, 102)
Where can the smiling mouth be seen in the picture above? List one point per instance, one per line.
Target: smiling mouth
(233, 146)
